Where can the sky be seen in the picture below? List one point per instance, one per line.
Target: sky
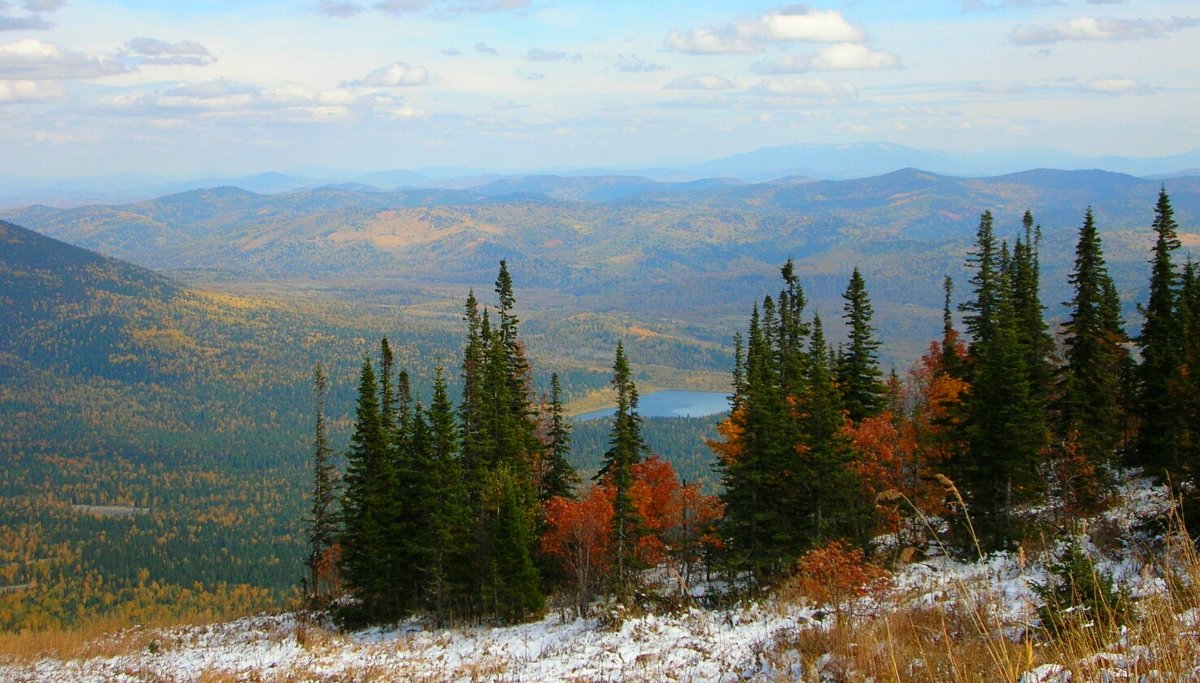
(245, 86)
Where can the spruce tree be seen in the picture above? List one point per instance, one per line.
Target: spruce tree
(858, 373)
(829, 502)
(1004, 423)
(1089, 404)
(323, 522)
(981, 311)
(558, 477)
(953, 363)
(1160, 344)
(626, 449)
(511, 583)
(441, 524)
(1032, 332)
(1188, 386)
(365, 507)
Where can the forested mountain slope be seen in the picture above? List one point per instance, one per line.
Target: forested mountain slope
(653, 252)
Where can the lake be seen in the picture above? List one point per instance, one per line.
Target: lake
(672, 403)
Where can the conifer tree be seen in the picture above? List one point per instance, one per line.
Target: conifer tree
(858, 373)
(365, 507)
(1088, 407)
(1032, 333)
(387, 395)
(1160, 343)
(953, 363)
(1004, 427)
(442, 523)
(558, 477)
(1188, 386)
(981, 311)
(323, 522)
(512, 586)
(626, 449)
(829, 502)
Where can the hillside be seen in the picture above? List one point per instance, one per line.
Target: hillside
(152, 427)
(933, 620)
(677, 255)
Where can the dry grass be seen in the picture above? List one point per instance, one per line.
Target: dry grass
(962, 639)
(101, 638)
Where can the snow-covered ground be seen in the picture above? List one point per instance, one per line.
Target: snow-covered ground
(747, 643)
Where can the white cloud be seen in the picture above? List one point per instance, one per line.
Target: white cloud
(539, 55)
(1115, 86)
(40, 60)
(792, 87)
(486, 49)
(1100, 29)
(837, 57)
(338, 8)
(794, 23)
(395, 75)
(153, 51)
(30, 91)
(699, 82)
(452, 52)
(634, 65)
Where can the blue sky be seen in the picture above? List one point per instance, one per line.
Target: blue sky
(243, 86)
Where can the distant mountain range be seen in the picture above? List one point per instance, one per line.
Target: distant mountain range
(797, 162)
(690, 255)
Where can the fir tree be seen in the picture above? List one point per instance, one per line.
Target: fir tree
(626, 449)
(981, 311)
(1004, 427)
(1160, 343)
(558, 477)
(858, 373)
(442, 522)
(1032, 333)
(365, 507)
(512, 586)
(829, 501)
(323, 522)
(952, 363)
(1088, 408)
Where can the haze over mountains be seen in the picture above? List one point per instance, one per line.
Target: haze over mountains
(805, 161)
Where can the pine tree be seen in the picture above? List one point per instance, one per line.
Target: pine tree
(1089, 406)
(626, 449)
(323, 522)
(858, 373)
(1160, 343)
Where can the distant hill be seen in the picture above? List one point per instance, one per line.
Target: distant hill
(659, 254)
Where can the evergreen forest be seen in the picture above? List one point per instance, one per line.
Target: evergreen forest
(1004, 430)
